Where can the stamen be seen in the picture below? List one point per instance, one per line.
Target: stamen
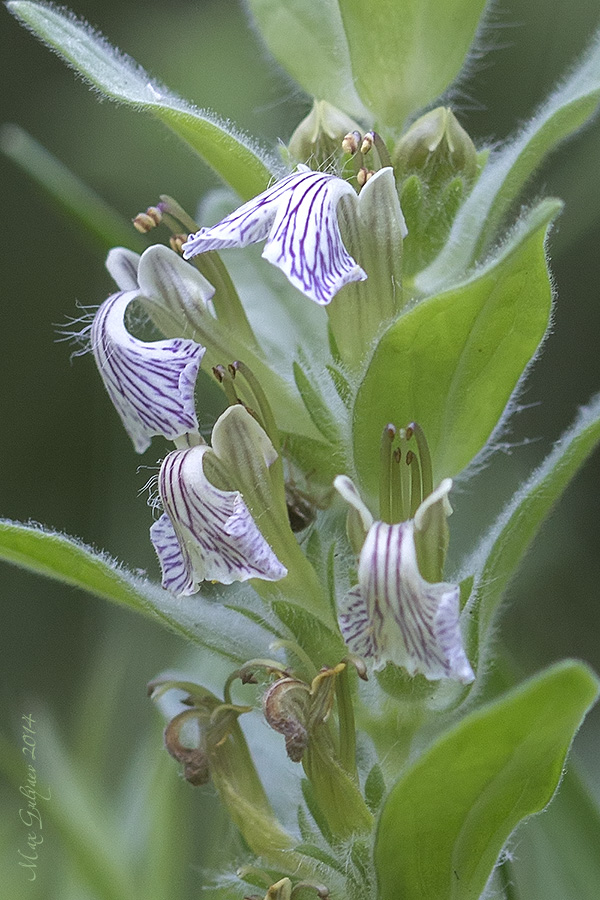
(267, 419)
(351, 142)
(424, 457)
(224, 377)
(416, 488)
(375, 141)
(399, 503)
(146, 221)
(385, 474)
(176, 242)
(172, 208)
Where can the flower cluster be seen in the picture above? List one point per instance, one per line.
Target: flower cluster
(208, 529)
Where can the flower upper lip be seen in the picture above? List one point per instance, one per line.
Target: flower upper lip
(297, 217)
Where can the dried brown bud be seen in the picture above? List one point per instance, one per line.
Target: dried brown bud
(286, 708)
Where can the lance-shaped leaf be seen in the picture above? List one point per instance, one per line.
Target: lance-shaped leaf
(403, 55)
(557, 853)
(445, 822)
(150, 384)
(504, 176)
(298, 220)
(318, 56)
(501, 551)
(204, 622)
(456, 358)
(232, 155)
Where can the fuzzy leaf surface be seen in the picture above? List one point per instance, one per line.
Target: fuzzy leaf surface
(456, 358)
(196, 618)
(232, 155)
(405, 54)
(446, 820)
(508, 170)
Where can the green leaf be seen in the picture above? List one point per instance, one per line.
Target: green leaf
(317, 406)
(503, 548)
(556, 855)
(203, 621)
(232, 155)
(405, 54)
(447, 819)
(456, 358)
(504, 176)
(318, 56)
(78, 201)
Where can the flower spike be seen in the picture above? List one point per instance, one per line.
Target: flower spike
(206, 533)
(297, 218)
(151, 384)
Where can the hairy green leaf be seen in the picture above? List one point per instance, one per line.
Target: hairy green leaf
(405, 54)
(446, 820)
(232, 155)
(196, 618)
(504, 176)
(456, 358)
(556, 855)
(317, 56)
(502, 550)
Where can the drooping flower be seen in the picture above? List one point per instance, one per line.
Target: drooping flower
(205, 532)
(151, 384)
(393, 614)
(297, 217)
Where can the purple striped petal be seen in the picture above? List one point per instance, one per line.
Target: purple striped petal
(150, 384)
(394, 615)
(206, 533)
(298, 218)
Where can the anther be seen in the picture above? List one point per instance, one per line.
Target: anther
(146, 221)
(176, 242)
(351, 142)
(367, 142)
(363, 175)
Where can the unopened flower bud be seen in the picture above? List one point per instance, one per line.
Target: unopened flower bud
(438, 148)
(319, 136)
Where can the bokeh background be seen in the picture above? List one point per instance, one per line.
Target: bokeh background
(66, 462)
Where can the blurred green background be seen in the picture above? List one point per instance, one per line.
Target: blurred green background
(65, 460)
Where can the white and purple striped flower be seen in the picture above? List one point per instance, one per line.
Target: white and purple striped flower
(206, 533)
(151, 384)
(393, 614)
(297, 217)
